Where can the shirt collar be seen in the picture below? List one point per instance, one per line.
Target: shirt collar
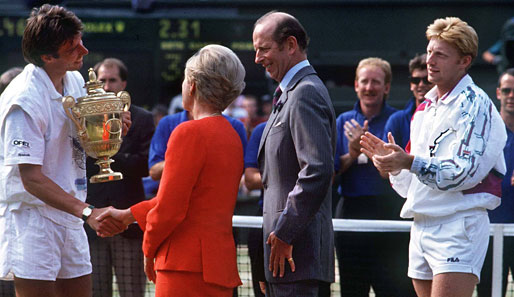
(47, 82)
(453, 93)
(358, 109)
(291, 73)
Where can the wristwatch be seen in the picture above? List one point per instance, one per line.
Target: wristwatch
(87, 212)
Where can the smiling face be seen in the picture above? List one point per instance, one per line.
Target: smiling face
(446, 66)
(268, 53)
(505, 93)
(419, 84)
(370, 86)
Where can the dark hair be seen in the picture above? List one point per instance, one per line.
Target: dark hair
(418, 62)
(287, 26)
(160, 109)
(8, 76)
(509, 71)
(113, 62)
(48, 28)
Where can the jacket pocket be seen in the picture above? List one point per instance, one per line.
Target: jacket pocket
(219, 262)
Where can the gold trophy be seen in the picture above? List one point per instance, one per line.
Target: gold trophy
(98, 120)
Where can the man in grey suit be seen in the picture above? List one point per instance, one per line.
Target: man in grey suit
(295, 159)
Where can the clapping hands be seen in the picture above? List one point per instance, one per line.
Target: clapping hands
(353, 132)
(387, 157)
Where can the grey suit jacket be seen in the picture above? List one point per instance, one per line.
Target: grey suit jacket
(296, 162)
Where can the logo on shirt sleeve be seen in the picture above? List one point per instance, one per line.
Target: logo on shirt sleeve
(21, 143)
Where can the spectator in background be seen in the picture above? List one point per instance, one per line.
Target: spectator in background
(252, 119)
(505, 212)
(158, 112)
(253, 181)
(176, 105)
(453, 172)
(501, 53)
(363, 256)
(8, 76)
(399, 123)
(235, 109)
(266, 106)
(120, 253)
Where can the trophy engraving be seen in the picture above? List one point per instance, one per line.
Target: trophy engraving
(97, 117)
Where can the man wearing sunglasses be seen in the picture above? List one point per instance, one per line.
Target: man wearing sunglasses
(399, 123)
(505, 212)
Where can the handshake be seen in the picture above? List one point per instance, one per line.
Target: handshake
(109, 221)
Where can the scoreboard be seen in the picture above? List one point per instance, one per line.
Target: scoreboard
(155, 50)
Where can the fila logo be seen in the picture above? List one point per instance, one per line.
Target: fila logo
(453, 260)
(20, 143)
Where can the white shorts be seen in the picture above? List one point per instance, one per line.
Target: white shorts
(34, 247)
(441, 245)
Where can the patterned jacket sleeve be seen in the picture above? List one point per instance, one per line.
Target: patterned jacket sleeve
(466, 153)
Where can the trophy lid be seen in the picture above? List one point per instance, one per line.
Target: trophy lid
(95, 89)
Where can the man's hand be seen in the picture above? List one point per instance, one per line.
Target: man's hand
(280, 253)
(105, 226)
(149, 264)
(353, 132)
(156, 170)
(374, 146)
(262, 286)
(122, 216)
(512, 179)
(126, 119)
(387, 157)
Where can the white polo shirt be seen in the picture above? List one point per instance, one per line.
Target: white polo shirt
(34, 129)
(457, 141)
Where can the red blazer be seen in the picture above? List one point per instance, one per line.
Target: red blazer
(188, 225)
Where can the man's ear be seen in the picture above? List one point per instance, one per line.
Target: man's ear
(466, 61)
(387, 88)
(291, 44)
(47, 58)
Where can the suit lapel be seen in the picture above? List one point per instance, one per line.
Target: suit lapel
(283, 99)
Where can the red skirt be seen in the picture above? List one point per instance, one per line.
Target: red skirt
(187, 284)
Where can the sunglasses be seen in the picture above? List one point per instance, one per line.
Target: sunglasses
(416, 80)
(506, 91)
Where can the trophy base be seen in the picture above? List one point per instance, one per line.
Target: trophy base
(105, 177)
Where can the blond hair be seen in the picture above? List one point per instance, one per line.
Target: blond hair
(456, 32)
(379, 63)
(218, 75)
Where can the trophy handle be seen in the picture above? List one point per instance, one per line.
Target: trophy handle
(68, 103)
(125, 98)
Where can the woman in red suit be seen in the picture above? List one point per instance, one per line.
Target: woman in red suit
(188, 243)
